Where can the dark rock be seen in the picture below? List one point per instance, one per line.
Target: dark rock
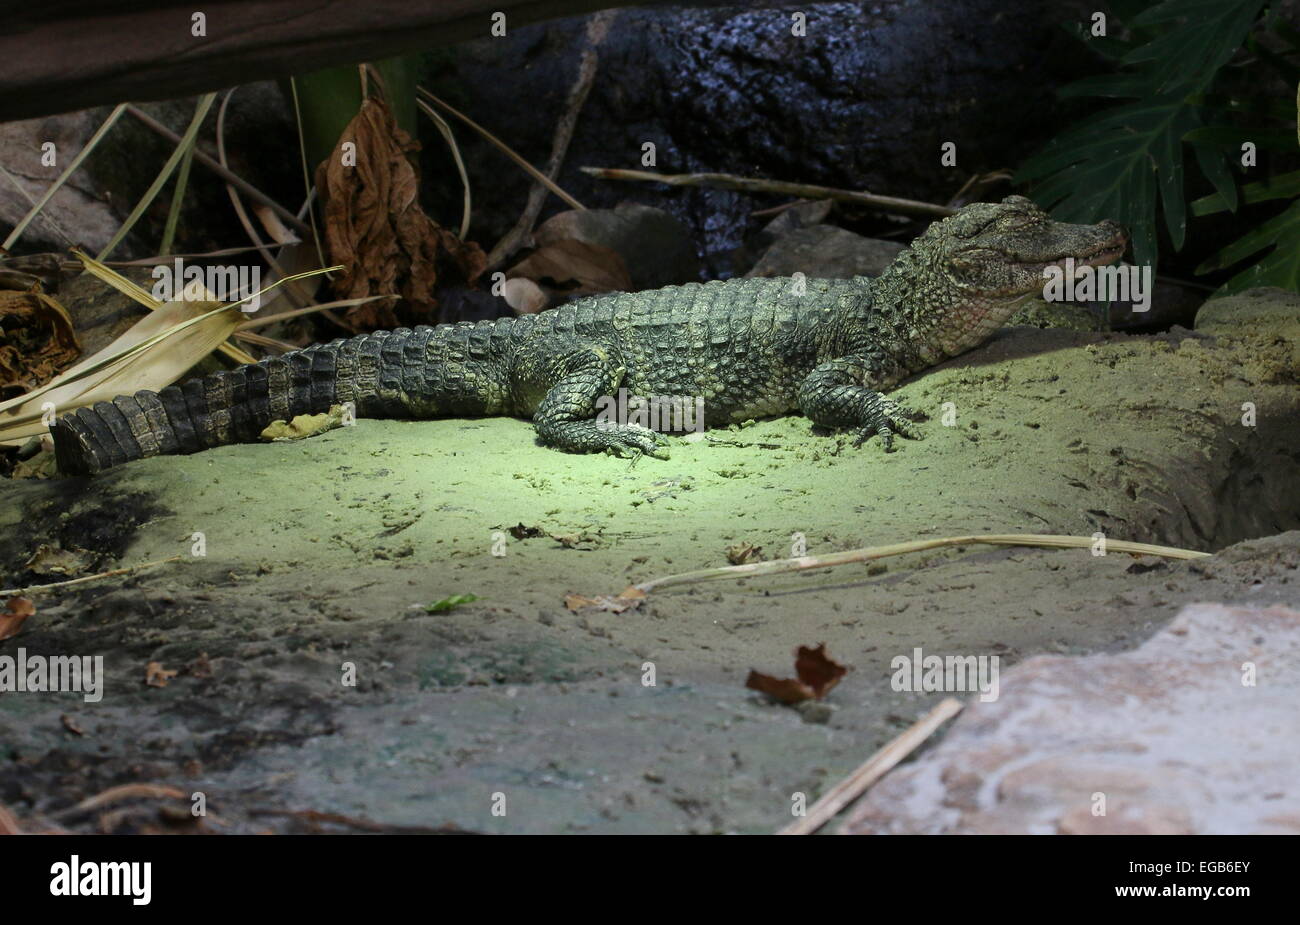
(656, 247)
(860, 102)
(826, 252)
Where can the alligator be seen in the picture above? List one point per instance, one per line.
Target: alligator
(749, 348)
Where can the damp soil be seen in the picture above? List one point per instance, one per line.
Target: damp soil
(512, 713)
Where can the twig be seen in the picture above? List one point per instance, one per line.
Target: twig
(95, 139)
(467, 196)
(34, 589)
(118, 794)
(780, 187)
(49, 220)
(867, 554)
(322, 307)
(874, 768)
(299, 298)
(521, 233)
(183, 144)
(9, 824)
(504, 148)
(244, 186)
(364, 825)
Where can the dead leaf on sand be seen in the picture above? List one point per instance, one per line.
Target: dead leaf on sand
(742, 553)
(155, 675)
(816, 673)
(629, 598)
(51, 560)
(16, 612)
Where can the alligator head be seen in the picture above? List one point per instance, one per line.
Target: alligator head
(966, 275)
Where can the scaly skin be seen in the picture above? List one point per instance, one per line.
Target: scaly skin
(749, 347)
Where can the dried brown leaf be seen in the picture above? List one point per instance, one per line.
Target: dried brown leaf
(155, 675)
(37, 340)
(375, 227)
(17, 610)
(742, 553)
(628, 599)
(817, 673)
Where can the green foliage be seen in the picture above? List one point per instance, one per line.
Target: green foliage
(1126, 162)
(330, 99)
(450, 603)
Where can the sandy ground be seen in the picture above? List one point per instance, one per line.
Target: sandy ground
(322, 554)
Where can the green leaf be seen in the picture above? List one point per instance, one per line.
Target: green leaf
(1204, 38)
(1125, 85)
(448, 603)
(1215, 167)
(1111, 165)
(1284, 186)
(1280, 268)
(1233, 137)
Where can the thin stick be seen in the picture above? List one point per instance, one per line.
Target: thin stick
(116, 795)
(866, 554)
(184, 144)
(505, 149)
(299, 298)
(322, 307)
(49, 220)
(779, 187)
(467, 199)
(35, 589)
(874, 768)
(63, 177)
(522, 232)
(244, 186)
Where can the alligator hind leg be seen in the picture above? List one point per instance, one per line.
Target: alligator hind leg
(566, 417)
(833, 396)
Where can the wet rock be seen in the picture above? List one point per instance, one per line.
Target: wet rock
(261, 144)
(80, 209)
(855, 103)
(1195, 731)
(1170, 304)
(826, 252)
(1263, 307)
(656, 247)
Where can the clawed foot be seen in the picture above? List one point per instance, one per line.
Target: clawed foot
(886, 418)
(635, 441)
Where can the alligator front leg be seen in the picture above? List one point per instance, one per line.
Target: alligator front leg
(833, 395)
(566, 417)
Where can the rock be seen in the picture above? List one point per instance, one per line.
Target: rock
(1168, 735)
(1263, 307)
(262, 147)
(826, 252)
(656, 247)
(80, 208)
(1170, 304)
(855, 103)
